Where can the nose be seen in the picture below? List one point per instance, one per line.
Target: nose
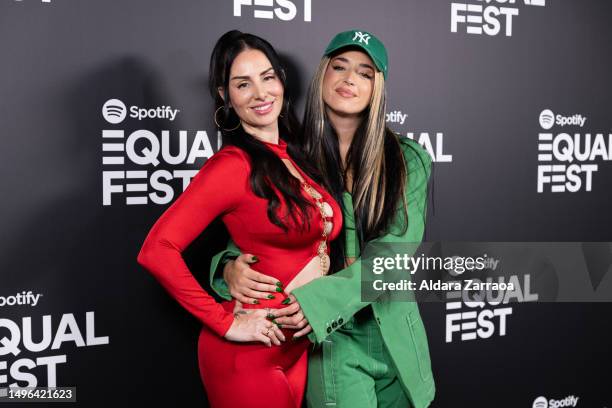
(259, 91)
(348, 79)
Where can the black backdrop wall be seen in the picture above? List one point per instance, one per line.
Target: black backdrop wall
(105, 116)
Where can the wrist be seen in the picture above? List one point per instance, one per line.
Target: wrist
(226, 269)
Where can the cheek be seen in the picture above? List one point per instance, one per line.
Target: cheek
(327, 95)
(276, 89)
(237, 99)
(365, 92)
(328, 88)
(330, 79)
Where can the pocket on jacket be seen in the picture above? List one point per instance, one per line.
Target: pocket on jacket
(321, 376)
(421, 346)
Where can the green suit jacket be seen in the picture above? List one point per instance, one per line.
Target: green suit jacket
(331, 300)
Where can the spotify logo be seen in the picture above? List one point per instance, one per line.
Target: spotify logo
(547, 119)
(540, 402)
(569, 401)
(114, 111)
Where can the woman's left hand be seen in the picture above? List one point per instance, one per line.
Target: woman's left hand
(292, 317)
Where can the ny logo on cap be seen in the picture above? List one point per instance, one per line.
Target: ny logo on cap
(362, 37)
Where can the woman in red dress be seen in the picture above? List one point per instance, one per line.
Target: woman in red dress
(267, 196)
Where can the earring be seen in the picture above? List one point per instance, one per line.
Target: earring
(221, 127)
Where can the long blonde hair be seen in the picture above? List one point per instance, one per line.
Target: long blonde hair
(374, 158)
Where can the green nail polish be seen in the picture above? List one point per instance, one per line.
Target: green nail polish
(286, 301)
(280, 326)
(256, 302)
(279, 289)
(254, 259)
(279, 283)
(270, 316)
(271, 296)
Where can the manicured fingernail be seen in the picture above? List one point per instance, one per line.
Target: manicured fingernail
(256, 302)
(270, 316)
(280, 326)
(254, 259)
(286, 301)
(279, 283)
(271, 296)
(279, 289)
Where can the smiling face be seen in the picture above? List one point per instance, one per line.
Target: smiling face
(255, 91)
(348, 83)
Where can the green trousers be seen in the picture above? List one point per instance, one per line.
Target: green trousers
(352, 369)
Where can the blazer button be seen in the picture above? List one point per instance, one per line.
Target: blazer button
(340, 321)
(334, 324)
(329, 329)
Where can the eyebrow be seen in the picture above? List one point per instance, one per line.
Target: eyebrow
(247, 77)
(347, 61)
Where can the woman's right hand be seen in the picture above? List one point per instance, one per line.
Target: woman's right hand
(253, 325)
(245, 284)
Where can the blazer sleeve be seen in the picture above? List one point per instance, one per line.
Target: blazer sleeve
(217, 283)
(208, 196)
(337, 297)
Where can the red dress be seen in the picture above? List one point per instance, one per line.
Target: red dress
(238, 374)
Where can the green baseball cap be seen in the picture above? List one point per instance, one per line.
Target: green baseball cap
(364, 40)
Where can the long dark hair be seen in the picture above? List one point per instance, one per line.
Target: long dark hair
(374, 158)
(267, 169)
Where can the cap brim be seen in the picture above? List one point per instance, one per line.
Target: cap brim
(379, 65)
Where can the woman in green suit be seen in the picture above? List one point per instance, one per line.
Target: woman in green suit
(369, 352)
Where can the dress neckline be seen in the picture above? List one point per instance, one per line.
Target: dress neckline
(279, 148)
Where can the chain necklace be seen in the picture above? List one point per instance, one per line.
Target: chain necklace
(326, 227)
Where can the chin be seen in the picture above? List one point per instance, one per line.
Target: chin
(346, 109)
(263, 122)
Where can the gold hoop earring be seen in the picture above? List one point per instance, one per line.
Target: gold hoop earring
(219, 126)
